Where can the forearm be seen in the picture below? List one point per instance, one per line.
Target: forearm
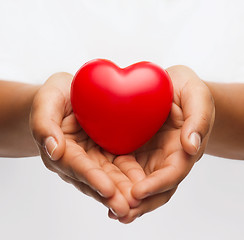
(15, 104)
(227, 137)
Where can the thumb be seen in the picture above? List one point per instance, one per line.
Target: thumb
(48, 111)
(198, 110)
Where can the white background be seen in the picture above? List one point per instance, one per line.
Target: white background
(38, 38)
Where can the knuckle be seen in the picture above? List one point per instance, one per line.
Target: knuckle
(60, 75)
(130, 171)
(118, 160)
(113, 172)
(179, 173)
(90, 173)
(123, 185)
(205, 120)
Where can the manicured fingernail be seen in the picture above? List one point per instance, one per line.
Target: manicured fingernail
(113, 212)
(100, 193)
(195, 140)
(50, 146)
(113, 217)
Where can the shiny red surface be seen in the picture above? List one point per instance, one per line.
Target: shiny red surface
(121, 109)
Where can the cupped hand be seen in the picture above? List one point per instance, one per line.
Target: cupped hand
(67, 150)
(169, 156)
(130, 185)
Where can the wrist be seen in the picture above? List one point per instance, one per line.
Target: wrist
(16, 101)
(227, 136)
(25, 96)
(31, 91)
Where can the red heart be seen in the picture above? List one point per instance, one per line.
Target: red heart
(121, 109)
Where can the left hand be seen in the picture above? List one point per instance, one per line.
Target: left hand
(169, 156)
(67, 150)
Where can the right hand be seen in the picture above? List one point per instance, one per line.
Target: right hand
(169, 155)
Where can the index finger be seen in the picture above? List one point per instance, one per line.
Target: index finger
(76, 164)
(130, 167)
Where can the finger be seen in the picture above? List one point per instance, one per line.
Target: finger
(81, 187)
(149, 204)
(130, 167)
(122, 183)
(48, 110)
(116, 204)
(196, 101)
(112, 215)
(174, 170)
(109, 156)
(198, 111)
(76, 164)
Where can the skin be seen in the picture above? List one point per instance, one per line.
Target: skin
(81, 162)
(129, 185)
(227, 137)
(15, 103)
(169, 156)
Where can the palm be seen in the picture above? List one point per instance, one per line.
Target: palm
(163, 152)
(164, 149)
(80, 142)
(92, 162)
(163, 159)
(152, 172)
(81, 162)
(161, 155)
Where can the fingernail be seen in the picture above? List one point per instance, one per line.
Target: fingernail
(113, 212)
(113, 217)
(50, 146)
(100, 194)
(195, 140)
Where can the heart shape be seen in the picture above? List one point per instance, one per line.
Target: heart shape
(121, 108)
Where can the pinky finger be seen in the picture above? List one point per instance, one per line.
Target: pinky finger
(116, 203)
(82, 187)
(112, 215)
